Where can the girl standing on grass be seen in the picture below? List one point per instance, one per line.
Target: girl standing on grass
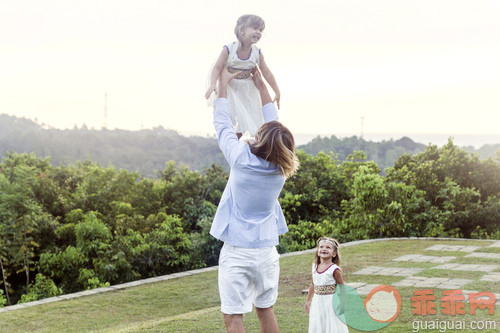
(243, 56)
(325, 277)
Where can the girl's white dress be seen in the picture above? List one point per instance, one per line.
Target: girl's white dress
(322, 317)
(243, 96)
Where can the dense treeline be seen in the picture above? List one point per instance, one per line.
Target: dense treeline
(146, 151)
(383, 153)
(143, 151)
(81, 226)
(440, 192)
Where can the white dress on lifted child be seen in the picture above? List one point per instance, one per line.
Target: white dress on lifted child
(243, 96)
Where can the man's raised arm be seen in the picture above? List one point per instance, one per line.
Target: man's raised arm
(259, 83)
(269, 111)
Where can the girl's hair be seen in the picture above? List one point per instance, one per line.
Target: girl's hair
(335, 243)
(247, 21)
(275, 143)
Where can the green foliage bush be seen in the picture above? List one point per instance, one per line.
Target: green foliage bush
(83, 226)
(3, 300)
(43, 287)
(63, 267)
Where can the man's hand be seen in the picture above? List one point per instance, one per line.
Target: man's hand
(261, 86)
(257, 78)
(224, 79)
(277, 99)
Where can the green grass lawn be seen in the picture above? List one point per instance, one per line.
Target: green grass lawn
(191, 304)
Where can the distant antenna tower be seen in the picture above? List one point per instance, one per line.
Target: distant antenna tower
(106, 110)
(362, 125)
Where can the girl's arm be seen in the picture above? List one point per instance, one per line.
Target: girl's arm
(338, 276)
(216, 71)
(310, 293)
(268, 75)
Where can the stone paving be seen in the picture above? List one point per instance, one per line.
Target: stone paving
(484, 255)
(496, 244)
(432, 282)
(365, 288)
(455, 248)
(411, 280)
(422, 258)
(362, 288)
(491, 276)
(468, 267)
(391, 271)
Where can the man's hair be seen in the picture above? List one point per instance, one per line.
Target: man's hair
(247, 21)
(275, 143)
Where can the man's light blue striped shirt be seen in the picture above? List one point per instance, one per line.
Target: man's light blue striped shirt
(249, 214)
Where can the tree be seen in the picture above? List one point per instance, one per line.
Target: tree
(365, 211)
(315, 192)
(456, 188)
(164, 250)
(19, 213)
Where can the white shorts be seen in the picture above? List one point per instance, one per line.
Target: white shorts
(248, 276)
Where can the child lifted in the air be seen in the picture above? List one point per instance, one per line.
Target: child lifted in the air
(244, 56)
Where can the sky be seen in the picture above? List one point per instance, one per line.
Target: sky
(343, 67)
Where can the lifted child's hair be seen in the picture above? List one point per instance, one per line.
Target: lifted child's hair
(335, 243)
(247, 21)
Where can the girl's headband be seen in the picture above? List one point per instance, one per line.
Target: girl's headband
(328, 240)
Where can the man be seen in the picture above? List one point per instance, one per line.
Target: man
(249, 218)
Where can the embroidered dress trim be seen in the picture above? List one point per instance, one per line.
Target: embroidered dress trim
(245, 73)
(325, 290)
(325, 269)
